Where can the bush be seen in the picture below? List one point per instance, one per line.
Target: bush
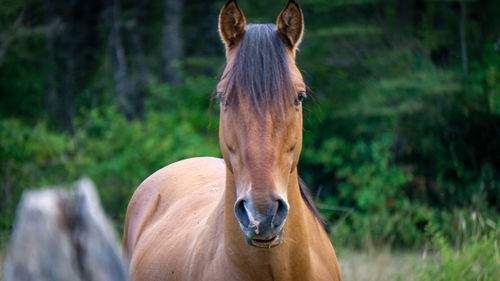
(116, 153)
(475, 260)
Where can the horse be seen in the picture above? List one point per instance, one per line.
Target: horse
(246, 216)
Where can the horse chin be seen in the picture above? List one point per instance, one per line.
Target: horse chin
(270, 243)
(258, 242)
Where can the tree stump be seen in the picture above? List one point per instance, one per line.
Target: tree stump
(63, 235)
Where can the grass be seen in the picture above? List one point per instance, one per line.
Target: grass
(377, 264)
(474, 260)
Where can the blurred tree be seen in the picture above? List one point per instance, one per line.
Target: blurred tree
(172, 40)
(123, 85)
(140, 68)
(50, 96)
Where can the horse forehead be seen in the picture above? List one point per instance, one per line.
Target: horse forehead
(261, 137)
(261, 121)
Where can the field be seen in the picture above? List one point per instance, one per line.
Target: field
(377, 264)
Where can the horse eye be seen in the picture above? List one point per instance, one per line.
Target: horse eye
(221, 98)
(300, 97)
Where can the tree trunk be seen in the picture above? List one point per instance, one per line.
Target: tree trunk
(120, 68)
(10, 36)
(463, 40)
(68, 86)
(171, 44)
(141, 71)
(67, 59)
(50, 97)
(63, 235)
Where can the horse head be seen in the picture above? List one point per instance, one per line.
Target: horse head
(260, 132)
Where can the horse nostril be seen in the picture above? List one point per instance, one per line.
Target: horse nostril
(241, 213)
(281, 213)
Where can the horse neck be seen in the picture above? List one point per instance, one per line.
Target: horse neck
(292, 254)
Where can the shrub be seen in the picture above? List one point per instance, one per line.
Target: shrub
(476, 260)
(116, 153)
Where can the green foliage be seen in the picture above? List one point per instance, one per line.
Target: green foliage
(116, 153)
(119, 154)
(29, 156)
(372, 183)
(400, 140)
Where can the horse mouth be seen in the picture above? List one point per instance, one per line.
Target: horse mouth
(266, 243)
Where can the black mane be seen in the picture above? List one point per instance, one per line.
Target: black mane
(305, 192)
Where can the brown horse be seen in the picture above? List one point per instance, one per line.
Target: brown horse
(246, 217)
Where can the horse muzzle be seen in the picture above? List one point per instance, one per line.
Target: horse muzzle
(263, 227)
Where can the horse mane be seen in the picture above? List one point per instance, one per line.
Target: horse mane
(259, 72)
(305, 192)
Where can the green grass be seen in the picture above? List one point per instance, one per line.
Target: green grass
(475, 260)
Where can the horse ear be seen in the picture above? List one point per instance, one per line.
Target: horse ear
(290, 24)
(231, 23)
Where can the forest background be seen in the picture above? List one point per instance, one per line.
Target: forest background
(401, 138)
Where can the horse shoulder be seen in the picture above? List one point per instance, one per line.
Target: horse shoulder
(166, 186)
